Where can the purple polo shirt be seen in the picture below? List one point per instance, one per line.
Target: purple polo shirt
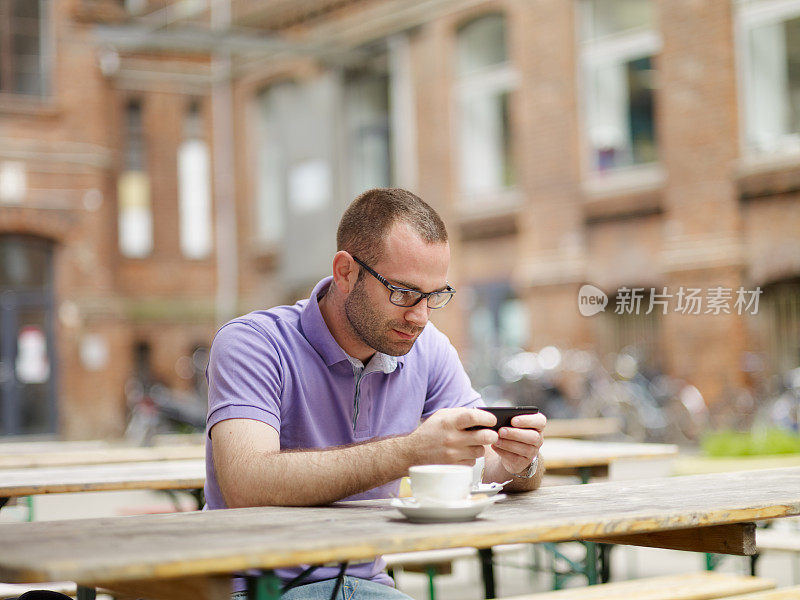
(283, 367)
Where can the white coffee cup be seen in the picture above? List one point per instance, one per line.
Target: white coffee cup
(440, 483)
(477, 472)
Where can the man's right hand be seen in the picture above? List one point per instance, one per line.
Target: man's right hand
(443, 439)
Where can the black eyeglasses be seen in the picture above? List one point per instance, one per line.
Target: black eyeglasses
(407, 298)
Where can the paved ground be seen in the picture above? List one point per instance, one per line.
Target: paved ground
(464, 583)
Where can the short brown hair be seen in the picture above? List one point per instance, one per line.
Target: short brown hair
(367, 221)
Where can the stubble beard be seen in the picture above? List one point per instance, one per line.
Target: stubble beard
(372, 328)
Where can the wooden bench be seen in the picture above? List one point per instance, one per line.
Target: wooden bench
(690, 586)
(790, 593)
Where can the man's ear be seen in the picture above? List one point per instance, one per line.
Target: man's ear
(345, 272)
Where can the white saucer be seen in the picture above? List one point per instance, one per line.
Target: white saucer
(490, 489)
(464, 510)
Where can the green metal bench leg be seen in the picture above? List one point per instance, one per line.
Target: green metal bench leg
(605, 562)
(590, 564)
(86, 593)
(754, 563)
(199, 497)
(588, 568)
(585, 474)
(712, 561)
(431, 570)
(264, 587)
(487, 568)
(28, 501)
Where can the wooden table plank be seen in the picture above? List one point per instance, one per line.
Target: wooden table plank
(696, 465)
(215, 542)
(100, 455)
(38, 447)
(737, 538)
(582, 428)
(558, 453)
(159, 475)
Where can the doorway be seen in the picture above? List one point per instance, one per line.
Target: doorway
(27, 350)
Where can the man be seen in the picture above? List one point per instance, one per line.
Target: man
(322, 401)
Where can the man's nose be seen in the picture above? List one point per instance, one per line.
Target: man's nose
(419, 313)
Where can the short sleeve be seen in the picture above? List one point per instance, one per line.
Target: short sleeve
(448, 383)
(244, 376)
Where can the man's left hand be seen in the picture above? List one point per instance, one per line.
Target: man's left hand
(519, 444)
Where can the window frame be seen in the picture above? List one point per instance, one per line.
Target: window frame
(750, 14)
(495, 80)
(46, 56)
(617, 48)
(134, 177)
(378, 68)
(202, 198)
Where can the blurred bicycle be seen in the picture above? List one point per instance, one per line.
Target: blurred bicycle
(154, 408)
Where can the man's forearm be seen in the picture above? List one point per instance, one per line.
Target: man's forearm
(315, 477)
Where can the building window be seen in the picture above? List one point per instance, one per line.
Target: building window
(619, 44)
(133, 189)
(366, 105)
(782, 309)
(194, 187)
(24, 51)
(274, 107)
(300, 165)
(295, 142)
(485, 80)
(770, 42)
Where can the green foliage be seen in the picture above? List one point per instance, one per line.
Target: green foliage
(758, 442)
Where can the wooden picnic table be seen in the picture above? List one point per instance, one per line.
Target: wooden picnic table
(177, 467)
(98, 455)
(582, 427)
(158, 475)
(565, 457)
(24, 445)
(592, 458)
(39, 446)
(562, 455)
(162, 555)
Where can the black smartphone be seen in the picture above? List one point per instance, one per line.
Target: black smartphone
(504, 415)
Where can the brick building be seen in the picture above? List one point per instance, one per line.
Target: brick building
(95, 273)
(175, 163)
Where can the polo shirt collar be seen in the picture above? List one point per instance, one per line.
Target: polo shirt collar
(379, 362)
(319, 336)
